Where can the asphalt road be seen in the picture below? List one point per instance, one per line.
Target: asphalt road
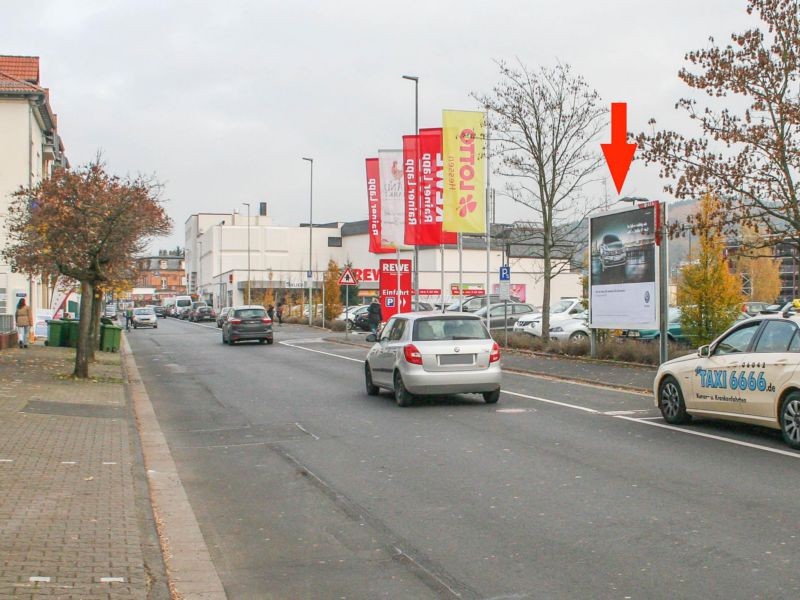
(305, 487)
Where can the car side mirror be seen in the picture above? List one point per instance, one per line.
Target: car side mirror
(371, 338)
(704, 351)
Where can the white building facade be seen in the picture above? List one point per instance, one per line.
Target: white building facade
(30, 148)
(217, 252)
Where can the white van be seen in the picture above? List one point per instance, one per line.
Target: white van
(182, 302)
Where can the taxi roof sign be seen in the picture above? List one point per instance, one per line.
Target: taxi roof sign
(347, 278)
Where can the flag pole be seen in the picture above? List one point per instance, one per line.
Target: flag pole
(488, 229)
(460, 275)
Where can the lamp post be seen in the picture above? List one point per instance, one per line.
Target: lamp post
(310, 230)
(219, 273)
(415, 270)
(247, 204)
(200, 270)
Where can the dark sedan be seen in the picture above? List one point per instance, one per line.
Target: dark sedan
(247, 323)
(203, 313)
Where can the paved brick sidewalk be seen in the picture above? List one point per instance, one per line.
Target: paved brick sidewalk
(71, 523)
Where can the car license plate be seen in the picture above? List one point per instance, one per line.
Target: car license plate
(631, 334)
(456, 359)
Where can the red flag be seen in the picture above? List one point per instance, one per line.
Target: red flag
(430, 190)
(374, 200)
(411, 188)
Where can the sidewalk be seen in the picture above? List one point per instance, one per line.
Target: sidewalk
(75, 520)
(619, 375)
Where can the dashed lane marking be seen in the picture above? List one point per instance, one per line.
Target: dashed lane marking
(291, 345)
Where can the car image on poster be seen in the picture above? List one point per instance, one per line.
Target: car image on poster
(623, 286)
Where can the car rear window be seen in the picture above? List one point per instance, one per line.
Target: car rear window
(448, 328)
(250, 313)
(143, 311)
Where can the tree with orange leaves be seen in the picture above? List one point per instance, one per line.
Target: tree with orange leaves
(87, 225)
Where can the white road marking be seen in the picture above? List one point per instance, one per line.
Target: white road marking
(112, 580)
(109, 463)
(512, 410)
(620, 413)
(6, 460)
(304, 430)
(68, 462)
(290, 345)
(36, 579)
(711, 436)
(641, 420)
(556, 402)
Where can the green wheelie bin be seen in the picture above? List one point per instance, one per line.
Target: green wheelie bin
(71, 338)
(55, 331)
(110, 337)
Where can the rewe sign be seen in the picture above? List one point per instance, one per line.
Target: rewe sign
(395, 298)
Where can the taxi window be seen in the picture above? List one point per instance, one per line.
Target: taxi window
(737, 341)
(794, 345)
(776, 336)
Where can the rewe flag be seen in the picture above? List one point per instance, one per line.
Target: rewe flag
(464, 153)
(374, 207)
(411, 189)
(430, 189)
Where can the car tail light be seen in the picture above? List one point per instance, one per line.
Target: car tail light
(234, 321)
(266, 320)
(494, 356)
(412, 354)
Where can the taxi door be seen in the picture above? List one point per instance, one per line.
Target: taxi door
(716, 379)
(776, 356)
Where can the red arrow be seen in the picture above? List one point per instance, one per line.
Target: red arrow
(619, 153)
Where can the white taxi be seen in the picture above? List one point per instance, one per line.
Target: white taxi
(749, 374)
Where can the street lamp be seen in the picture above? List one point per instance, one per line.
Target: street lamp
(247, 204)
(415, 270)
(310, 230)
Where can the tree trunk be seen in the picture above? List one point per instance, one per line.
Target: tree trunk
(548, 276)
(82, 352)
(94, 337)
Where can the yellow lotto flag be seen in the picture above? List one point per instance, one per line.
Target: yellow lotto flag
(464, 156)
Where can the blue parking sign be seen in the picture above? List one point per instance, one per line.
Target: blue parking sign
(390, 302)
(505, 273)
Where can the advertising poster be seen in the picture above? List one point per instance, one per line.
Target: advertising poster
(623, 287)
(393, 205)
(464, 154)
(411, 188)
(431, 199)
(395, 298)
(374, 207)
(517, 291)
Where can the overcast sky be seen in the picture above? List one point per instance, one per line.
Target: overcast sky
(220, 100)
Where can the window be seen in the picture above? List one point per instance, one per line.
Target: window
(449, 328)
(794, 345)
(776, 336)
(250, 313)
(396, 334)
(387, 330)
(162, 264)
(334, 242)
(737, 341)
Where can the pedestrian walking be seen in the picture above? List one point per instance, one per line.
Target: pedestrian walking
(24, 319)
(374, 315)
(280, 313)
(128, 318)
(271, 312)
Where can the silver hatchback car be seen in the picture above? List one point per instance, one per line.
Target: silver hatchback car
(431, 353)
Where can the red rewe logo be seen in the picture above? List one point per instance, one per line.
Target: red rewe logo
(466, 205)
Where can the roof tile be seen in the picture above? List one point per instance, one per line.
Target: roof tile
(25, 68)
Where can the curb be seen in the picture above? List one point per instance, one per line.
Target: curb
(190, 571)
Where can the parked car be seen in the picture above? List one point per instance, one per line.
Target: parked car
(355, 312)
(612, 252)
(566, 308)
(753, 308)
(202, 312)
(575, 330)
(674, 329)
(421, 354)
(748, 374)
(505, 314)
(110, 311)
(144, 316)
(247, 323)
(161, 313)
(181, 303)
(361, 321)
(474, 303)
(222, 316)
(183, 313)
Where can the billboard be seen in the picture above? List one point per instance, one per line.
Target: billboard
(395, 290)
(623, 282)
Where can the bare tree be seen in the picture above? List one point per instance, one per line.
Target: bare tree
(748, 150)
(544, 126)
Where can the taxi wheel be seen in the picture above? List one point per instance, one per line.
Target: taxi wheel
(401, 395)
(372, 389)
(670, 401)
(790, 420)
